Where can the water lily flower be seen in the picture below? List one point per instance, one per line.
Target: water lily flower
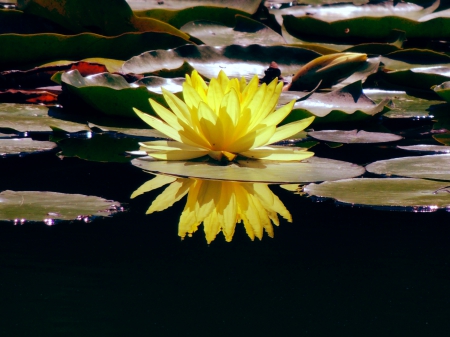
(219, 205)
(226, 118)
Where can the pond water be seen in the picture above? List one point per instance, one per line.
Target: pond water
(335, 270)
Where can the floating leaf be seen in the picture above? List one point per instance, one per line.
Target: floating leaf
(27, 51)
(178, 18)
(312, 169)
(27, 117)
(427, 167)
(103, 17)
(393, 193)
(17, 146)
(443, 90)
(354, 136)
(443, 138)
(426, 148)
(345, 104)
(113, 95)
(234, 60)
(414, 58)
(249, 6)
(245, 32)
(22, 206)
(28, 96)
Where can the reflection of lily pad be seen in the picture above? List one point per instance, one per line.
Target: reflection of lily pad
(235, 60)
(21, 206)
(428, 167)
(392, 193)
(27, 117)
(354, 136)
(346, 104)
(100, 148)
(24, 145)
(312, 169)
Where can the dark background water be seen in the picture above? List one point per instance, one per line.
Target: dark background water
(335, 271)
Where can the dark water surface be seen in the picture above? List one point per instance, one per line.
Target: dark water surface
(335, 271)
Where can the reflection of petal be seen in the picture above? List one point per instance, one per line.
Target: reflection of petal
(219, 205)
(157, 182)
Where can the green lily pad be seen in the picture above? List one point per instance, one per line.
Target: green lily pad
(249, 6)
(178, 18)
(443, 90)
(414, 58)
(98, 148)
(103, 17)
(403, 105)
(312, 169)
(426, 167)
(32, 117)
(345, 104)
(245, 32)
(23, 206)
(365, 29)
(16, 146)
(235, 60)
(113, 95)
(28, 51)
(443, 138)
(426, 148)
(393, 193)
(354, 136)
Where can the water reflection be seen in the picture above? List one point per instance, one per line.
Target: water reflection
(219, 205)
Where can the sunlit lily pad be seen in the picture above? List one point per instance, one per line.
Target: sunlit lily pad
(443, 90)
(345, 104)
(249, 6)
(27, 51)
(354, 136)
(17, 146)
(28, 117)
(393, 193)
(22, 206)
(246, 31)
(427, 167)
(426, 148)
(113, 95)
(235, 60)
(312, 169)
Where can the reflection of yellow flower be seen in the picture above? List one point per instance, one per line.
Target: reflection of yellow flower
(222, 120)
(219, 205)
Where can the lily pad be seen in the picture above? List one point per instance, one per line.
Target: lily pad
(426, 167)
(443, 90)
(443, 138)
(354, 136)
(245, 32)
(393, 193)
(312, 169)
(249, 6)
(346, 104)
(17, 146)
(29, 117)
(113, 95)
(22, 206)
(235, 60)
(27, 51)
(426, 148)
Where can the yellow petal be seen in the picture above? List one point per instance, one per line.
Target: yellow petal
(253, 139)
(174, 192)
(178, 107)
(211, 126)
(158, 125)
(157, 182)
(277, 116)
(288, 130)
(215, 95)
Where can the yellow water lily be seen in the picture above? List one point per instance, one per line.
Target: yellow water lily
(226, 118)
(219, 205)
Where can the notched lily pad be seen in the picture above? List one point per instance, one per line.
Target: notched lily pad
(392, 194)
(346, 104)
(312, 169)
(17, 146)
(354, 136)
(426, 167)
(23, 206)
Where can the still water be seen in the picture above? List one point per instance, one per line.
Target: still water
(334, 271)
